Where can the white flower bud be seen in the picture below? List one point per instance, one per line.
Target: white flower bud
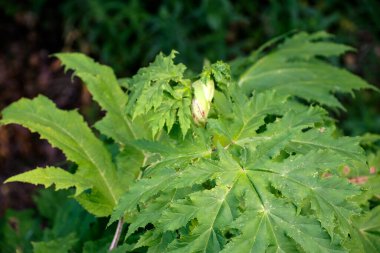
(203, 95)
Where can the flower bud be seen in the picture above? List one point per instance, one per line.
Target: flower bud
(203, 95)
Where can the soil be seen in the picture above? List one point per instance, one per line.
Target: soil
(26, 70)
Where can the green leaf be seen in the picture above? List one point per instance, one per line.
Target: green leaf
(52, 175)
(174, 153)
(239, 190)
(128, 162)
(369, 139)
(320, 138)
(160, 92)
(291, 179)
(212, 213)
(293, 69)
(152, 212)
(278, 228)
(105, 89)
(139, 193)
(248, 115)
(265, 186)
(264, 173)
(155, 241)
(55, 207)
(372, 186)
(67, 131)
(98, 246)
(365, 236)
(59, 245)
(184, 115)
(306, 46)
(18, 229)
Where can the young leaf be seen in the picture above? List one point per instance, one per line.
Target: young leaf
(161, 92)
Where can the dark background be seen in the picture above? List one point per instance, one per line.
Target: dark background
(128, 34)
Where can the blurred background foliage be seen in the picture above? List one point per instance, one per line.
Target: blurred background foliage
(127, 35)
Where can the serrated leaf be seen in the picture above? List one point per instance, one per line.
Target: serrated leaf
(162, 69)
(289, 177)
(176, 153)
(277, 228)
(212, 212)
(260, 175)
(263, 167)
(139, 193)
(311, 45)
(176, 216)
(250, 115)
(184, 115)
(161, 92)
(293, 69)
(67, 131)
(52, 175)
(105, 89)
(365, 235)
(321, 139)
(150, 214)
(128, 162)
(216, 208)
(155, 241)
(373, 186)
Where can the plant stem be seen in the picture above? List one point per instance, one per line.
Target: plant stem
(116, 237)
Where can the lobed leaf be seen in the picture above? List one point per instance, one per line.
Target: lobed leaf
(365, 233)
(261, 175)
(105, 89)
(264, 185)
(294, 69)
(52, 175)
(67, 131)
(160, 92)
